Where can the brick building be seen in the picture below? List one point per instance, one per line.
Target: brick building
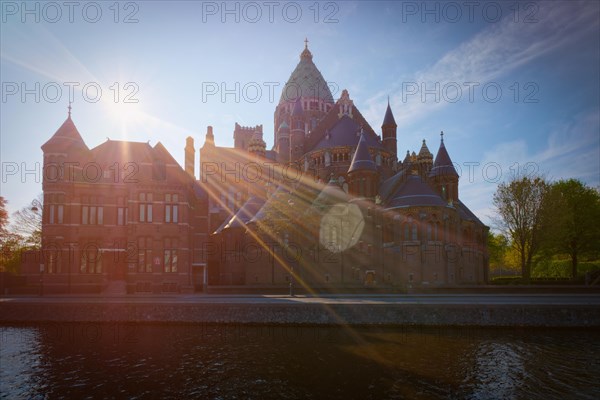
(122, 216)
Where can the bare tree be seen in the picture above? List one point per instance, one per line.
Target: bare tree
(27, 222)
(519, 203)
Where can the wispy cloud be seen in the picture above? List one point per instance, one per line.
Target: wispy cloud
(492, 53)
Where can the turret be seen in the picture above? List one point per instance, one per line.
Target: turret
(362, 173)
(388, 131)
(443, 174)
(424, 161)
(283, 143)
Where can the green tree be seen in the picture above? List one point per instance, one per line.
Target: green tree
(571, 220)
(498, 246)
(519, 204)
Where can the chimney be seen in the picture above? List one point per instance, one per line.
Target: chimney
(190, 156)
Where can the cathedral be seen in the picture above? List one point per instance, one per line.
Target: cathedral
(331, 205)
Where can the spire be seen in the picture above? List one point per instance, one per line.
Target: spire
(443, 166)
(362, 159)
(306, 54)
(424, 152)
(389, 117)
(66, 136)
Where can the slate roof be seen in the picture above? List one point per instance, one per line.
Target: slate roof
(67, 136)
(362, 159)
(442, 166)
(344, 133)
(414, 192)
(306, 81)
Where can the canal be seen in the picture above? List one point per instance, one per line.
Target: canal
(144, 361)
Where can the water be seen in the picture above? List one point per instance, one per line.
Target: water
(76, 360)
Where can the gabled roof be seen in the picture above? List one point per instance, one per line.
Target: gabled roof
(414, 192)
(126, 151)
(443, 166)
(67, 136)
(344, 133)
(329, 120)
(362, 159)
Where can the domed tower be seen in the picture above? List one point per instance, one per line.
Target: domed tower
(283, 143)
(388, 131)
(307, 85)
(424, 160)
(362, 174)
(297, 132)
(443, 174)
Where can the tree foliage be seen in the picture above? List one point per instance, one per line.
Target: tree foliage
(519, 203)
(27, 222)
(571, 218)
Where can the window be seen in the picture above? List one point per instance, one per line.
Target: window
(171, 208)
(145, 254)
(170, 252)
(91, 213)
(55, 213)
(145, 207)
(91, 260)
(121, 216)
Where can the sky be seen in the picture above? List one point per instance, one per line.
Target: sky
(515, 86)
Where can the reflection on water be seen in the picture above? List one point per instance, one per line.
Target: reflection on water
(76, 360)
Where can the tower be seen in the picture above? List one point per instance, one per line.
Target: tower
(283, 143)
(362, 173)
(307, 85)
(443, 174)
(424, 161)
(190, 156)
(388, 131)
(297, 132)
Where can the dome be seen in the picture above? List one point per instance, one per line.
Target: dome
(306, 81)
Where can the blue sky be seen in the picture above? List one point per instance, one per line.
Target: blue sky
(528, 74)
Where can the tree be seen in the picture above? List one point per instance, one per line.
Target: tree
(571, 220)
(3, 216)
(498, 246)
(519, 203)
(27, 222)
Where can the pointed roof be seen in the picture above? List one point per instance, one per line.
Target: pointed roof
(389, 117)
(283, 127)
(443, 166)
(362, 159)
(66, 136)
(424, 152)
(306, 81)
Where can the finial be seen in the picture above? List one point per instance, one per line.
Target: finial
(423, 142)
(388, 100)
(306, 43)
(69, 108)
(442, 135)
